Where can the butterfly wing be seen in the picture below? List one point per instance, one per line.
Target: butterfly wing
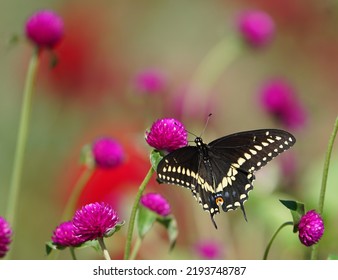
(179, 167)
(185, 167)
(231, 184)
(251, 150)
(235, 158)
(222, 172)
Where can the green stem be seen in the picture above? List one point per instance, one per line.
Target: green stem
(136, 248)
(215, 62)
(314, 252)
(104, 249)
(22, 139)
(273, 238)
(326, 168)
(71, 204)
(211, 68)
(134, 211)
(72, 252)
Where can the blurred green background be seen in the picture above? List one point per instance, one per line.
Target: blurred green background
(90, 94)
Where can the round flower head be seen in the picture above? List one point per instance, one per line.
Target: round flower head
(44, 28)
(256, 27)
(5, 237)
(107, 153)
(150, 81)
(311, 228)
(167, 134)
(157, 203)
(208, 249)
(94, 220)
(64, 235)
(279, 99)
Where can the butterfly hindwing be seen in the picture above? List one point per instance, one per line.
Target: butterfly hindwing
(231, 184)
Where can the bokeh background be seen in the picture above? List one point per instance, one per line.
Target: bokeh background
(92, 93)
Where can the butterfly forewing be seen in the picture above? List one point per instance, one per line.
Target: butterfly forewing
(221, 173)
(251, 150)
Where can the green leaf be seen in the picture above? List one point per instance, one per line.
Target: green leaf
(145, 220)
(297, 210)
(155, 158)
(170, 224)
(115, 229)
(91, 244)
(50, 246)
(290, 204)
(332, 257)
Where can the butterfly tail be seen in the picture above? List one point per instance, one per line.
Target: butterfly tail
(243, 210)
(213, 220)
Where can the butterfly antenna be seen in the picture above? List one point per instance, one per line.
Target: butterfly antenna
(193, 134)
(206, 124)
(187, 131)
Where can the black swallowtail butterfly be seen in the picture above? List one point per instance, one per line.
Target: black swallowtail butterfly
(221, 173)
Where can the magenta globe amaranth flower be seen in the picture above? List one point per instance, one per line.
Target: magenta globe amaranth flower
(64, 235)
(257, 27)
(5, 237)
(157, 203)
(94, 220)
(167, 134)
(209, 249)
(45, 28)
(150, 81)
(310, 228)
(107, 153)
(279, 98)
